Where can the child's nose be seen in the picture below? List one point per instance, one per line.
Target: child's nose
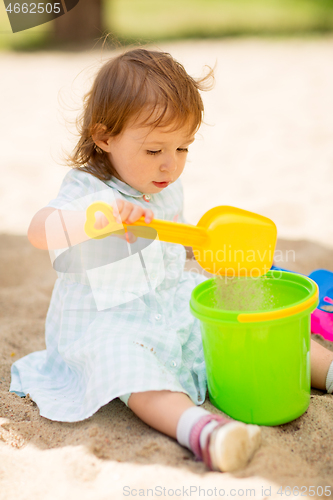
(169, 164)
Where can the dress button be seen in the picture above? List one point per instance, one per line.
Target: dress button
(146, 197)
(158, 316)
(173, 363)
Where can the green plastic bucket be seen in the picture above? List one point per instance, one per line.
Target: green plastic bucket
(258, 359)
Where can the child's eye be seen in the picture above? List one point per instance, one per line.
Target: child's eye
(180, 150)
(153, 152)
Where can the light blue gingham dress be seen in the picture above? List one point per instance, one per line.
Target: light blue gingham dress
(119, 319)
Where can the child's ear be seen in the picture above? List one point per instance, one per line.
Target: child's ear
(100, 138)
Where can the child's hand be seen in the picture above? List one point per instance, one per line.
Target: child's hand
(129, 212)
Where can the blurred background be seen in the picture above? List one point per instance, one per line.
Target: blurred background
(267, 141)
(131, 21)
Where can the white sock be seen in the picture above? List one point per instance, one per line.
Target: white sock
(187, 420)
(329, 379)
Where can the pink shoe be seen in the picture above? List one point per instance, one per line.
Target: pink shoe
(231, 446)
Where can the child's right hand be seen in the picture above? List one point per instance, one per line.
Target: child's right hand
(128, 213)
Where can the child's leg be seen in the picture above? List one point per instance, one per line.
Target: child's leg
(223, 444)
(160, 409)
(321, 360)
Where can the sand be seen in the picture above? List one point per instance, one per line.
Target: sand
(113, 449)
(270, 151)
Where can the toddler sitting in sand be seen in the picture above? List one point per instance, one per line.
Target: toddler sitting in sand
(139, 120)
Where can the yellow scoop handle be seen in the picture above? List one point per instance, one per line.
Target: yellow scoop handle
(226, 240)
(172, 232)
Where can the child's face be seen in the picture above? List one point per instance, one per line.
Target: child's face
(149, 159)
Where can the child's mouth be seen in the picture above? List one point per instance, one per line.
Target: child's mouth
(161, 184)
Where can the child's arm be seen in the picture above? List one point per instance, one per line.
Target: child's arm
(66, 228)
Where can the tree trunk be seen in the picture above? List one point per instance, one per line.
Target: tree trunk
(81, 23)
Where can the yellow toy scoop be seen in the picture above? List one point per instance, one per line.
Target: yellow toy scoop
(227, 241)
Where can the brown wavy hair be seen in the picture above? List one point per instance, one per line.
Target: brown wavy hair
(136, 81)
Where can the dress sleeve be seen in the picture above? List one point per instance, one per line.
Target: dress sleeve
(74, 186)
(79, 189)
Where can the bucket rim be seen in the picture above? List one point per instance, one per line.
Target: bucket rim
(203, 312)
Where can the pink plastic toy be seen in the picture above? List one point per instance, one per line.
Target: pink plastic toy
(322, 317)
